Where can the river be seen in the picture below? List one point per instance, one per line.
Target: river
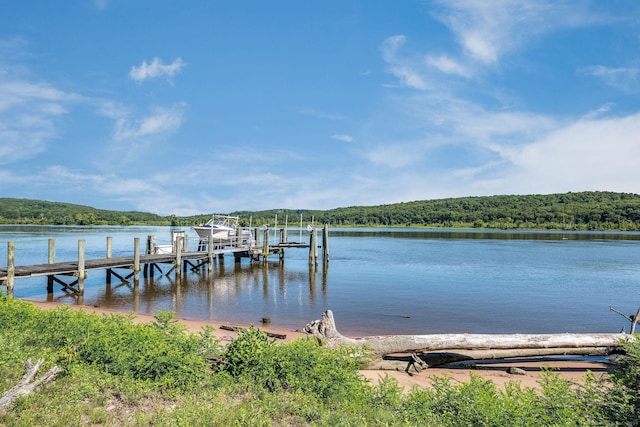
(379, 281)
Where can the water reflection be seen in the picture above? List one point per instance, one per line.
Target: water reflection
(413, 233)
(227, 293)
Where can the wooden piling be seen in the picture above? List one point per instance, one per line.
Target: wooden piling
(265, 244)
(11, 266)
(109, 246)
(210, 254)
(313, 247)
(178, 261)
(151, 245)
(325, 243)
(256, 237)
(52, 251)
(81, 271)
(150, 249)
(136, 259)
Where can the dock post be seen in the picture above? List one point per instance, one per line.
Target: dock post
(52, 251)
(151, 244)
(313, 247)
(256, 237)
(210, 253)
(265, 244)
(52, 260)
(11, 266)
(178, 256)
(81, 272)
(325, 244)
(109, 246)
(283, 235)
(136, 259)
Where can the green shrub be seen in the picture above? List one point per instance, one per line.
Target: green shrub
(296, 365)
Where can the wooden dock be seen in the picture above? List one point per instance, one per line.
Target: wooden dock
(180, 259)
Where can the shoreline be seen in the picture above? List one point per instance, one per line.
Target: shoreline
(495, 370)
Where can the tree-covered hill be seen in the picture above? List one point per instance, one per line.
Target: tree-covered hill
(25, 211)
(571, 211)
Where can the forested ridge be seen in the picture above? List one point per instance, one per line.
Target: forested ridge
(27, 211)
(571, 211)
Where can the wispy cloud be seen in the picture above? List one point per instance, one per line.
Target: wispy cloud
(29, 113)
(600, 111)
(448, 65)
(155, 69)
(623, 78)
(405, 69)
(488, 30)
(319, 114)
(161, 121)
(342, 137)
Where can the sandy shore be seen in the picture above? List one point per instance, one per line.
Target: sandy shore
(573, 370)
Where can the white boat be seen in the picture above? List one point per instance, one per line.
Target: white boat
(223, 230)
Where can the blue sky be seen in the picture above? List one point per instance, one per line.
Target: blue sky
(215, 106)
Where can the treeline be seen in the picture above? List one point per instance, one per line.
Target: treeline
(26, 211)
(571, 211)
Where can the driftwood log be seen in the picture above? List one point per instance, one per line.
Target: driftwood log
(446, 348)
(27, 384)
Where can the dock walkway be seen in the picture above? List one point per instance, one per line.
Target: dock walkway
(180, 259)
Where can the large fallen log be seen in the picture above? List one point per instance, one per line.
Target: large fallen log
(470, 346)
(27, 384)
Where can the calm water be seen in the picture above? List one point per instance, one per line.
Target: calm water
(378, 281)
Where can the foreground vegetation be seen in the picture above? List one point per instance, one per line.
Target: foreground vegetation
(120, 373)
(571, 211)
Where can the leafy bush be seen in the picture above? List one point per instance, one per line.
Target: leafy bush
(299, 365)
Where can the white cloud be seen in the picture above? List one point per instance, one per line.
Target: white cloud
(161, 121)
(156, 68)
(403, 68)
(599, 154)
(29, 113)
(603, 109)
(342, 137)
(448, 65)
(487, 30)
(623, 78)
